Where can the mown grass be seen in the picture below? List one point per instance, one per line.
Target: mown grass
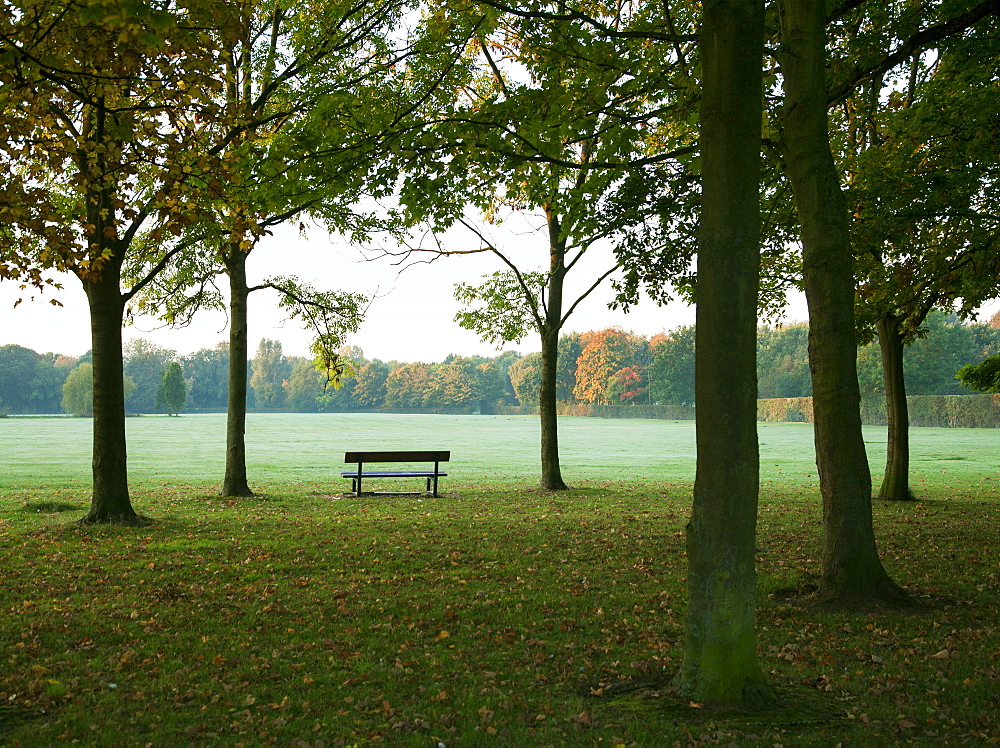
(308, 449)
(498, 614)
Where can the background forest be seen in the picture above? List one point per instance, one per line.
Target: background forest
(606, 367)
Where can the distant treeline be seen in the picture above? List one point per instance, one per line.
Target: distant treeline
(597, 368)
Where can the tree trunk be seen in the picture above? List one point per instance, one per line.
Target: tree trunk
(720, 656)
(551, 472)
(235, 483)
(110, 501)
(551, 325)
(852, 571)
(896, 482)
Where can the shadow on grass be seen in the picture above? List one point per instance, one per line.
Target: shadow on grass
(804, 597)
(13, 715)
(51, 506)
(799, 707)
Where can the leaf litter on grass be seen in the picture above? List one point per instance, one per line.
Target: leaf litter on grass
(500, 614)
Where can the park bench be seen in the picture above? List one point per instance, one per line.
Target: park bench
(361, 459)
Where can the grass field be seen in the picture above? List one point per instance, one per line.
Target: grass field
(498, 615)
(308, 449)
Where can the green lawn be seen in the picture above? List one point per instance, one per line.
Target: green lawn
(308, 448)
(500, 614)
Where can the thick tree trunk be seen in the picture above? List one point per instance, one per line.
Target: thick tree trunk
(720, 656)
(110, 501)
(235, 482)
(896, 482)
(852, 571)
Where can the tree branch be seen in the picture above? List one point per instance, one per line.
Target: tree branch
(911, 46)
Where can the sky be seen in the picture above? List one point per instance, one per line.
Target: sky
(410, 319)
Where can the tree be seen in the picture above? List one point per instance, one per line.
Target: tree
(554, 107)
(78, 390)
(944, 345)
(172, 391)
(985, 338)
(145, 363)
(871, 47)
(303, 387)
(270, 370)
(339, 396)
(207, 376)
(569, 350)
(104, 113)
(922, 181)
(454, 385)
(605, 353)
(627, 386)
(406, 386)
(369, 389)
(852, 569)
(526, 378)
(30, 382)
(783, 361)
(321, 89)
(671, 374)
(720, 657)
(984, 376)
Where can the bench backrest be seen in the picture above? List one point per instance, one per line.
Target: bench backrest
(440, 456)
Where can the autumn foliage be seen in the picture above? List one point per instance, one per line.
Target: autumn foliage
(605, 354)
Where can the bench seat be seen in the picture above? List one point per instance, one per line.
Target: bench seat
(392, 474)
(358, 474)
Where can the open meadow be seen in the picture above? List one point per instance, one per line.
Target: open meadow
(497, 614)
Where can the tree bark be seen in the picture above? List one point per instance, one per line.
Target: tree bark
(852, 570)
(720, 657)
(896, 481)
(235, 482)
(110, 501)
(551, 473)
(552, 479)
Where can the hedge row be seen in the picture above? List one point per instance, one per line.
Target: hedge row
(948, 411)
(664, 412)
(951, 411)
(786, 410)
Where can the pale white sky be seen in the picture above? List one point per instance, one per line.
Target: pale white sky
(411, 320)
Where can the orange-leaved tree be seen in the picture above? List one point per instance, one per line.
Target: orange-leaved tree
(605, 354)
